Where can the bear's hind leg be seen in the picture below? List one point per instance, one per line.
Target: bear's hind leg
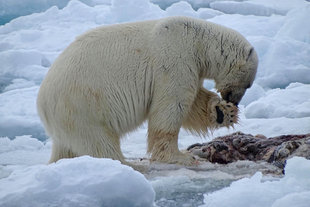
(101, 143)
(59, 152)
(91, 140)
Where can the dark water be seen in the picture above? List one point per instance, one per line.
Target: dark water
(187, 194)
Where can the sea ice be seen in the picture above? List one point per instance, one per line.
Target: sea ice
(79, 182)
(292, 190)
(274, 105)
(291, 102)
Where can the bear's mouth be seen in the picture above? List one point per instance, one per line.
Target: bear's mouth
(232, 97)
(228, 97)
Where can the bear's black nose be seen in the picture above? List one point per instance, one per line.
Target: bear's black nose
(232, 98)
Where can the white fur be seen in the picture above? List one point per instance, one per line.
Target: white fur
(113, 78)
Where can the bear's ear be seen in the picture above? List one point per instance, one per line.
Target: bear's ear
(250, 53)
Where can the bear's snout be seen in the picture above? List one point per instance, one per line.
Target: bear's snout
(226, 95)
(233, 96)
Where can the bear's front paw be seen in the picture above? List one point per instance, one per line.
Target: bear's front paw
(226, 114)
(178, 157)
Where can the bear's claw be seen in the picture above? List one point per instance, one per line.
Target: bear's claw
(179, 158)
(220, 115)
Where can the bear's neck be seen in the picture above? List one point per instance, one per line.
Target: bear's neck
(210, 56)
(215, 48)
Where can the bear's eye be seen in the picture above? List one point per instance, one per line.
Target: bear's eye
(249, 86)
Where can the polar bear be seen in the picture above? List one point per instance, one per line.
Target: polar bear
(113, 78)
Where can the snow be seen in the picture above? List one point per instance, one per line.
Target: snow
(276, 104)
(267, 193)
(23, 150)
(18, 110)
(139, 10)
(34, 32)
(77, 182)
(244, 8)
(15, 8)
(181, 8)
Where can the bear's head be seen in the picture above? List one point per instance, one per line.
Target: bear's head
(236, 78)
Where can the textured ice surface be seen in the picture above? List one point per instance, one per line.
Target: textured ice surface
(292, 190)
(290, 102)
(82, 181)
(30, 44)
